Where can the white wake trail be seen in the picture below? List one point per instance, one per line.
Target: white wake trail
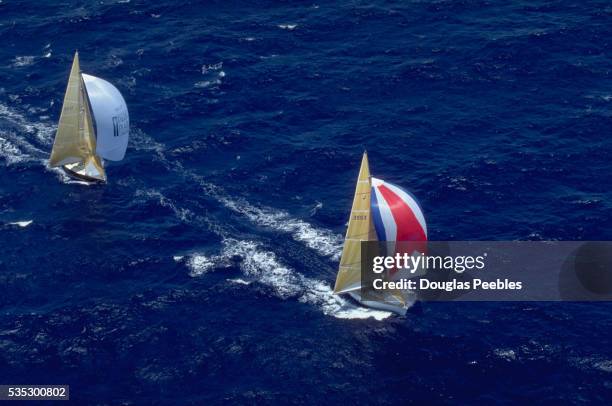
(324, 241)
(43, 131)
(261, 266)
(257, 264)
(16, 147)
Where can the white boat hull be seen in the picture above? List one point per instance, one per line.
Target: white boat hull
(395, 308)
(88, 172)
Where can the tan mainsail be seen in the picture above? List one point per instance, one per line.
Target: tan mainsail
(360, 228)
(74, 146)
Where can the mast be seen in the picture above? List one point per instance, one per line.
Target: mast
(360, 228)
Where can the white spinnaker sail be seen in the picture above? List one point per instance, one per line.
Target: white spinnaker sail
(112, 118)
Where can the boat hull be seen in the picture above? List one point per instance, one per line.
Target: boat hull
(397, 309)
(79, 175)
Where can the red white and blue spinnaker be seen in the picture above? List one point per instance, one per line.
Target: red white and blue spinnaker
(396, 214)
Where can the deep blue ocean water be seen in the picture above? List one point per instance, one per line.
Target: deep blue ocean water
(202, 272)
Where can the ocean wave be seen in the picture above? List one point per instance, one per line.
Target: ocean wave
(15, 147)
(605, 365)
(505, 353)
(181, 213)
(200, 264)
(21, 61)
(213, 73)
(239, 281)
(207, 83)
(324, 241)
(264, 267)
(321, 294)
(11, 153)
(22, 224)
(43, 131)
(212, 67)
(289, 27)
(592, 362)
(141, 141)
(47, 51)
(318, 206)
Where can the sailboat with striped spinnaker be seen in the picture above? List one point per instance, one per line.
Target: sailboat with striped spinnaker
(381, 211)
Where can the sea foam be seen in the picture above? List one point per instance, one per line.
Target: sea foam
(22, 224)
(256, 263)
(324, 241)
(264, 267)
